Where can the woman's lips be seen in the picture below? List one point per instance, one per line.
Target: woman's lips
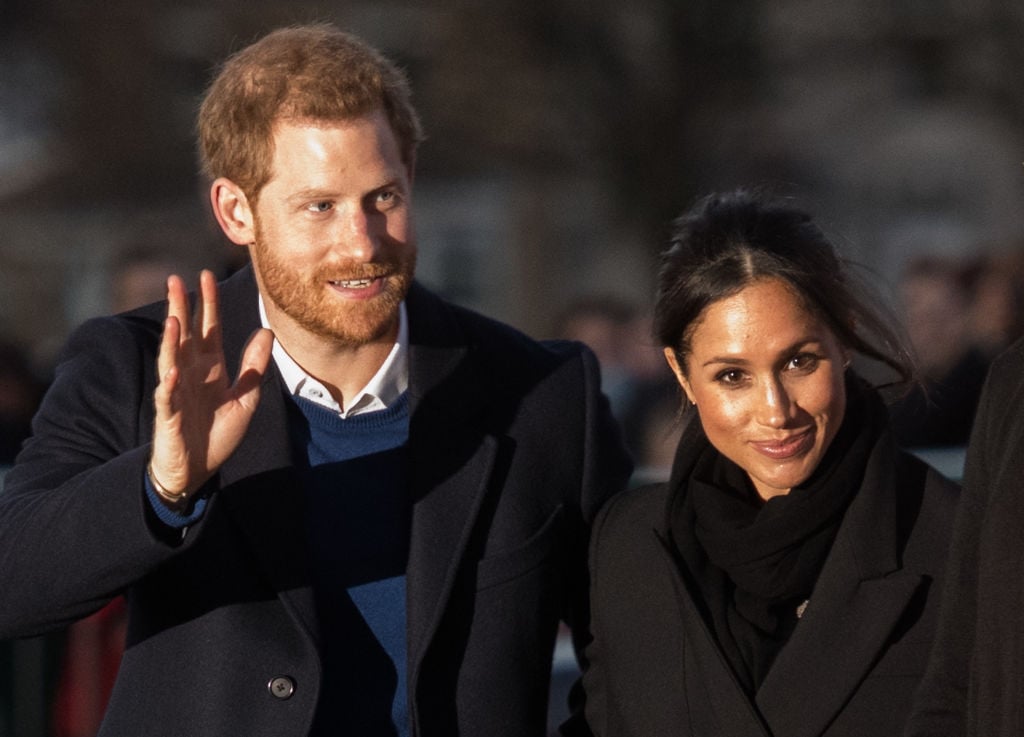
(780, 450)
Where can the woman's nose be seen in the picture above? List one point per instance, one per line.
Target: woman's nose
(775, 404)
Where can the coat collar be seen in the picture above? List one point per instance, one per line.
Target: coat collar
(860, 596)
(862, 592)
(450, 460)
(711, 675)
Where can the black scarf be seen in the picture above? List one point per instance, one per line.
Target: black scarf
(756, 562)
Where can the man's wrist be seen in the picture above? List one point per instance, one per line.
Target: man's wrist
(175, 499)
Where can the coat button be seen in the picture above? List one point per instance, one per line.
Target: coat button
(281, 687)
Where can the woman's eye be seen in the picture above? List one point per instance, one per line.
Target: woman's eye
(803, 361)
(729, 376)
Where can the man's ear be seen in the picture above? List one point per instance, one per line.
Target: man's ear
(232, 210)
(673, 362)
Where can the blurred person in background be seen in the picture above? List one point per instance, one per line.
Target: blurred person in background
(335, 503)
(651, 422)
(785, 580)
(633, 375)
(997, 305)
(140, 277)
(603, 323)
(936, 295)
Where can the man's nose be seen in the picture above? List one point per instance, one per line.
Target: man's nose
(354, 238)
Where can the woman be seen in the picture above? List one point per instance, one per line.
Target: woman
(784, 581)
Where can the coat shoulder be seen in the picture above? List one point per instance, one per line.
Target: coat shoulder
(1009, 364)
(928, 502)
(1000, 417)
(511, 358)
(434, 320)
(626, 517)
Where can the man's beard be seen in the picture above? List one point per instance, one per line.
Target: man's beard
(307, 299)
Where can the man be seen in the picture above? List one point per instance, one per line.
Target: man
(375, 529)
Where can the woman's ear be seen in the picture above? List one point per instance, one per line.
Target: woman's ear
(673, 362)
(232, 210)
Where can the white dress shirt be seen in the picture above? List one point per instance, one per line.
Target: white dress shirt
(391, 379)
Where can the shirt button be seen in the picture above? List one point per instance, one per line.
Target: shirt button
(281, 687)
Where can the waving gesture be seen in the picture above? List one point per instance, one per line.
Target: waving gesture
(201, 416)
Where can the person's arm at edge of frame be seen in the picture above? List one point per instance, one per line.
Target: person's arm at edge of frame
(939, 708)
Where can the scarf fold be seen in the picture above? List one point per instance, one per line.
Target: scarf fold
(756, 562)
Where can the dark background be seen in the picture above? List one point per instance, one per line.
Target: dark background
(563, 135)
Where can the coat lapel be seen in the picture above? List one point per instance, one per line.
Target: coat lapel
(257, 484)
(451, 462)
(861, 594)
(706, 676)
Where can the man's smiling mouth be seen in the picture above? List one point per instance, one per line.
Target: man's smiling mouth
(352, 283)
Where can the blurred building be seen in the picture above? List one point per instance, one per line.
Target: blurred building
(563, 135)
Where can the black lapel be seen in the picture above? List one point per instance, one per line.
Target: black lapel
(257, 485)
(860, 596)
(711, 679)
(705, 670)
(451, 461)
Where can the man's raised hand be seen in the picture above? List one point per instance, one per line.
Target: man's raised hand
(201, 416)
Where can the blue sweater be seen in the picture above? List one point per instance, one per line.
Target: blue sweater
(357, 512)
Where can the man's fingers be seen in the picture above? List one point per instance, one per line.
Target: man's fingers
(208, 310)
(255, 360)
(258, 350)
(167, 358)
(177, 305)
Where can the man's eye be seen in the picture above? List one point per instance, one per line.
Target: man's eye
(320, 206)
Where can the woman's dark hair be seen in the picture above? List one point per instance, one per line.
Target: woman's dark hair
(729, 240)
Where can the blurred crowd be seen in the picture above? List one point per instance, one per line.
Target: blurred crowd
(959, 313)
(644, 395)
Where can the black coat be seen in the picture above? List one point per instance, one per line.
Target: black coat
(512, 452)
(975, 680)
(851, 665)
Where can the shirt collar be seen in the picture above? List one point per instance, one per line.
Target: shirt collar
(386, 386)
